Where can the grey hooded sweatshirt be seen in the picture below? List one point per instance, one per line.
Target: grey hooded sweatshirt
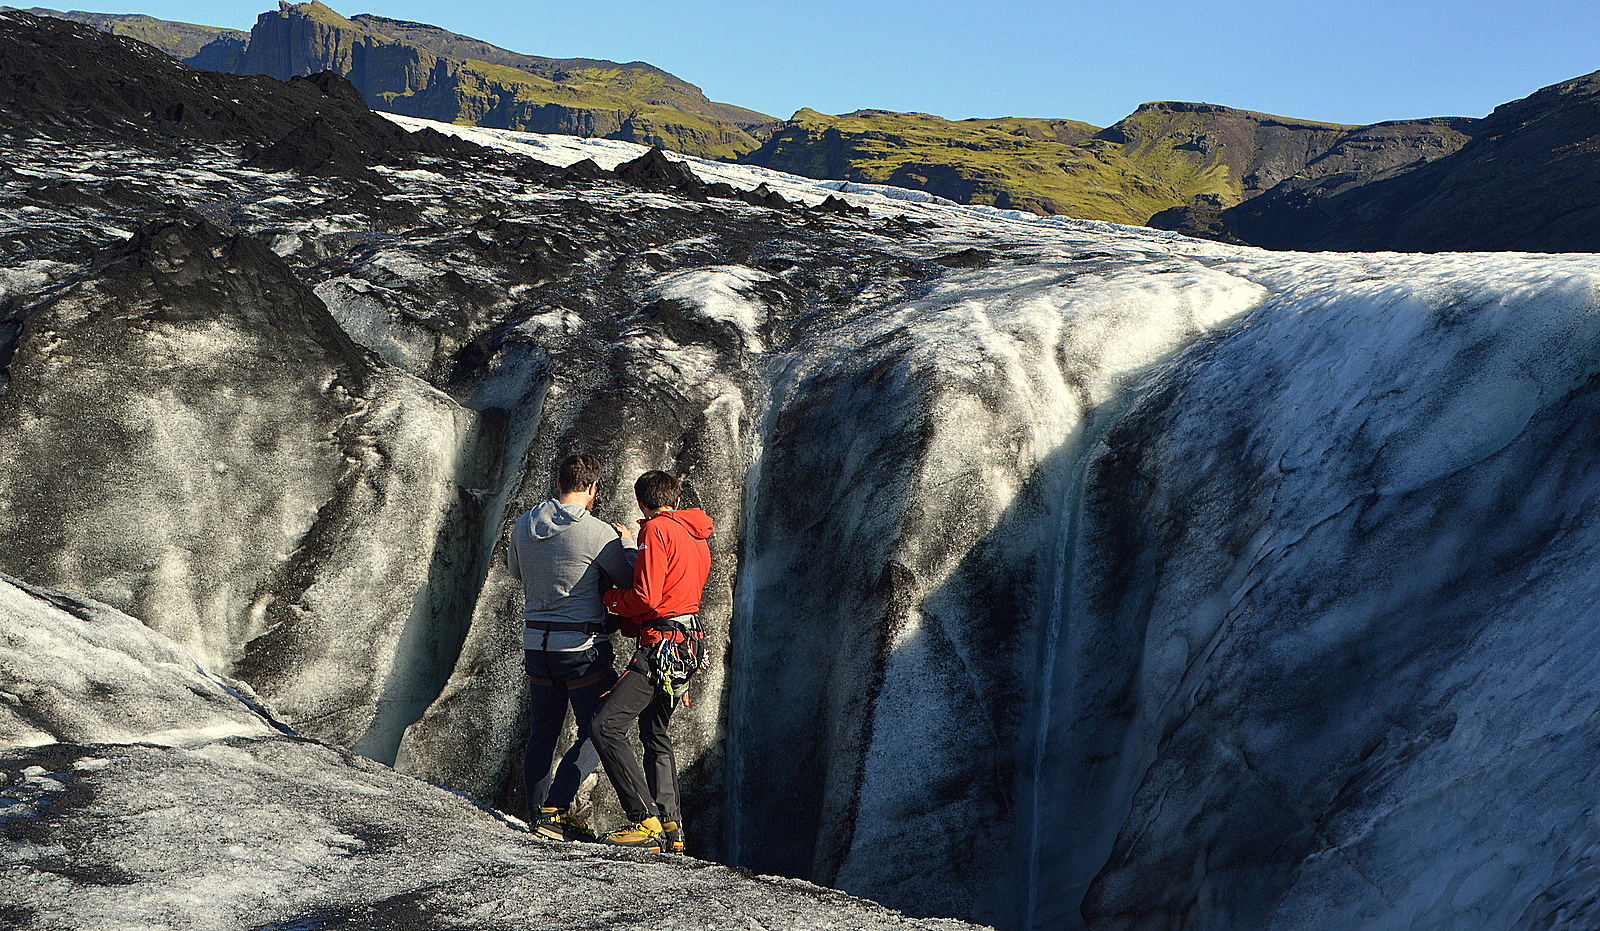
(565, 557)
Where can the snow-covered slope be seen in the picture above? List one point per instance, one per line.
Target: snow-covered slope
(1066, 573)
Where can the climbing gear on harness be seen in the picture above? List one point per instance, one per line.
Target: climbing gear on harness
(678, 655)
(559, 824)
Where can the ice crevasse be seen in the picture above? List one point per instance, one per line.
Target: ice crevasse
(1067, 575)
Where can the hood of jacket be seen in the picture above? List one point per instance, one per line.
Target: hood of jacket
(694, 520)
(553, 517)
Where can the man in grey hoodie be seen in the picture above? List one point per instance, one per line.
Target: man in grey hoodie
(566, 558)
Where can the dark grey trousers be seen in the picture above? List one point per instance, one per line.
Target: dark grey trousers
(651, 790)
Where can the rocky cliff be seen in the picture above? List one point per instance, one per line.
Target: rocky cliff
(414, 69)
(1198, 586)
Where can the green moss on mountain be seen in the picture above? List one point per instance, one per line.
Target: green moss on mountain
(1025, 164)
(319, 12)
(1203, 150)
(1005, 162)
(1164, 155)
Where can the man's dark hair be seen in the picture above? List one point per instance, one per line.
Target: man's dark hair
(656, 489)
(577, 472)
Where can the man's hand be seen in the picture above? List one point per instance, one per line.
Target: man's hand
(623, 531)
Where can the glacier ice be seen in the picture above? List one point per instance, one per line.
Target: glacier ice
(1073, 574)
(113, 819)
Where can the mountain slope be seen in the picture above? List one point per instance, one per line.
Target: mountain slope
(638, 78)
(428, 72)
(1005, 162)
(180, 40)
(1355, 158)
(1525, 182)
(1164, 156)
(1199, 149)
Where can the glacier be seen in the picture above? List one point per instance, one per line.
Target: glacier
(1074, 575)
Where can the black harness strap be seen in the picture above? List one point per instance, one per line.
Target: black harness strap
(582, 627)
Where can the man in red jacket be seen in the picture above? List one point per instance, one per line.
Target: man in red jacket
(662, 611)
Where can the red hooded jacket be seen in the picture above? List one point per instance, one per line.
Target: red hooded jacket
(669, 574)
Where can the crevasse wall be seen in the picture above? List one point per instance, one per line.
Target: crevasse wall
(886, 628)
(1332, 612)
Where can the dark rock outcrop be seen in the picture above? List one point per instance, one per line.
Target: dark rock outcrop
(654, 171)
(60, 77)
(832, 204)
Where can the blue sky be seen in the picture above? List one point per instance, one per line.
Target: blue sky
(1355, 61)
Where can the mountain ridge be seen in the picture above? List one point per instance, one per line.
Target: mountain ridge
(1164, 155)
(1465, 201)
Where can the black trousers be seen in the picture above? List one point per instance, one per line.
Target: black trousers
(651, 790)
(578, 678)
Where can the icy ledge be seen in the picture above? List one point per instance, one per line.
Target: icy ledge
(139, 792)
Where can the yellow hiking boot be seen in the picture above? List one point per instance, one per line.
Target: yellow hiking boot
(559, 824)
(641, 835)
